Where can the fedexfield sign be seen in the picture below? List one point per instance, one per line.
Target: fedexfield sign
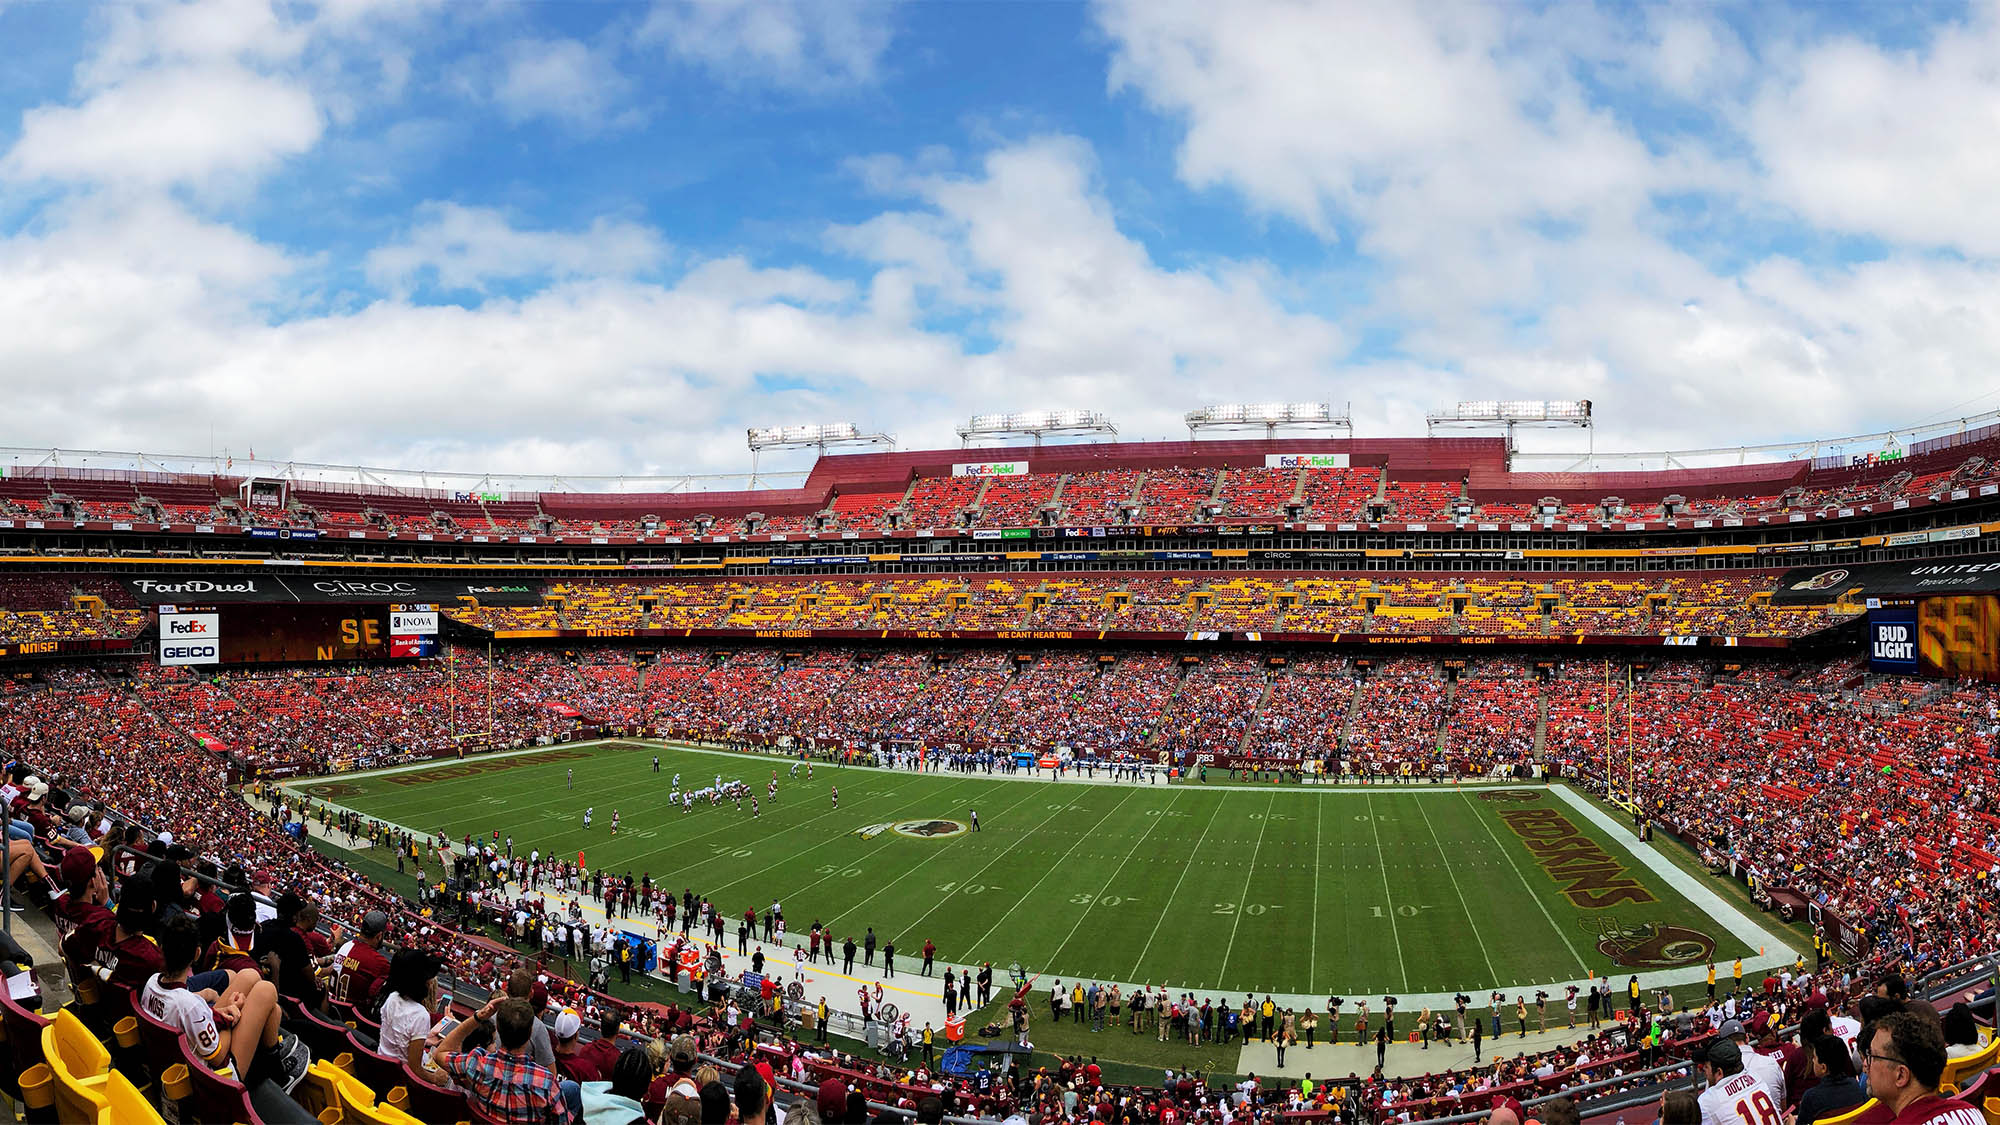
(991, 469)
(1305, 460)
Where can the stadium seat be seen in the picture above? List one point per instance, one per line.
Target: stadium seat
(82, 1054)
(324, 1038)
(21, 1079)
(356, 1110)
(79, 1101)
(318, 1093)
(1870, 1112)
(209, 1096)
(128, 1106)
(437, 1104)
(1958, 1071)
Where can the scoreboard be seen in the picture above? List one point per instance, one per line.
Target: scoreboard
(273, 634)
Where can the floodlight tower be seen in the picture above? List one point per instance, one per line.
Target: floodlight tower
(809, 437)
(1487, 414)
(1035, 424)
(1270, 417)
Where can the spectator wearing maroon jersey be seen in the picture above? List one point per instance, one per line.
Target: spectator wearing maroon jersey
(1905, 1059)
(603, 1051)
(131, 957)
(571, 1062)
(360, 966)
(82, 919)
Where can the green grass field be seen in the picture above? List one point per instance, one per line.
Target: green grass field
(1276, 889)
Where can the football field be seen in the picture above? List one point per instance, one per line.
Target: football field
(1265, 888)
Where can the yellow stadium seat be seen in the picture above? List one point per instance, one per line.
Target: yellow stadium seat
(1956, 1071)
(127, 1105)
(80, 1051)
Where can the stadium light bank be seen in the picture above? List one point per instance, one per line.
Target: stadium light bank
(818, 436)
(1036, 425)
(1510, 415)
(1270, 417)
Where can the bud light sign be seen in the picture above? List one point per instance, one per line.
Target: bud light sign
(1892, 640)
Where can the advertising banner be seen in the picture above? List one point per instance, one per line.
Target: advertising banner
(1305, 461)
(1910, 578)
(412, 622)
(991, 469)
(220, 589)
(1892, 640)
(190, 638)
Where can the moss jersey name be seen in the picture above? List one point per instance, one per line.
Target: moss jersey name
(1588, 876)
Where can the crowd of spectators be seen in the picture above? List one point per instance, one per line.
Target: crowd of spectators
(1663, 605)
(1881, 808)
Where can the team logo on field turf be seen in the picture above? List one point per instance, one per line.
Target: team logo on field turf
(334, 789)
(930, 829)
(1513, 796)
(1650, 945)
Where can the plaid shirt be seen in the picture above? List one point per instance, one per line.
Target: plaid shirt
(512, 1088)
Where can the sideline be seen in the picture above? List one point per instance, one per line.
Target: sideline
(1036, 775)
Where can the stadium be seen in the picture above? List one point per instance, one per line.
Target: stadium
(1119, 562)
(1216, 723)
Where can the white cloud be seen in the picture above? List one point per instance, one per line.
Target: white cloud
(793, 44)
(1892, 143)
(564, 80)
(163, 127)
(471, 247)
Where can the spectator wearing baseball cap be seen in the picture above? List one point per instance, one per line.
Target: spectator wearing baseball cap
(832, 1099)
(1769, 1070)
(571, 1062)
(359, 966)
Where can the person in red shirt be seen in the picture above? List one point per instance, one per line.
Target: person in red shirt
(1905, 1059)
(930, 951)
(83, 922)
(603, 1051)
(360, 966)
(130, 957)
(571, 1062)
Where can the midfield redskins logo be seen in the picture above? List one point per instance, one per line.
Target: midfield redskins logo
(1650, 945)
(929, 829)
(1510, 796)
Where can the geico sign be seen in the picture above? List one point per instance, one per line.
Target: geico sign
(362, 589)
(187, 652)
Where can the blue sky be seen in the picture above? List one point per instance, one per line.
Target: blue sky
(606, 237)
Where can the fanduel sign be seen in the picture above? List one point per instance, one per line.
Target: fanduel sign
(190, 638)
(1305, 460)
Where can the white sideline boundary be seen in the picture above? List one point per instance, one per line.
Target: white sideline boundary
(924, 1004)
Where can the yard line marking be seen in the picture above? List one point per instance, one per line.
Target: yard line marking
(1243, 899)
(1056, 957)
(1312, 959)
(1167, 906)
(935, 853)
(1029, 895)
(1525, 885)
(1470, 921)
(974, 877)
(1382, 864)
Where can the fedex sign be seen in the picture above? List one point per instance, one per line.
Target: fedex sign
(190, 638)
